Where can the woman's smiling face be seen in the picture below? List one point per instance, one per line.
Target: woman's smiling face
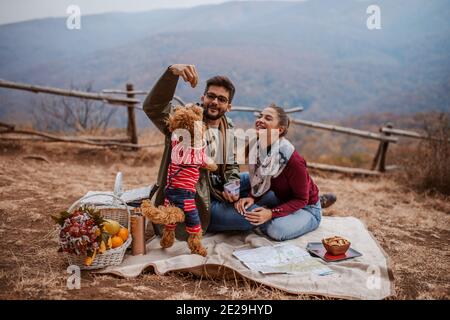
(267, 120)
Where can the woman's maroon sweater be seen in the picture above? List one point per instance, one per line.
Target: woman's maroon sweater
(294, 187)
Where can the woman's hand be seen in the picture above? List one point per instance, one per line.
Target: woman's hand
(259, 216)
(243, 203)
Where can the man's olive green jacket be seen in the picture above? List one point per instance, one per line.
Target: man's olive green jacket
(157, 106)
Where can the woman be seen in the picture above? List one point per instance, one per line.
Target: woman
(279, 180)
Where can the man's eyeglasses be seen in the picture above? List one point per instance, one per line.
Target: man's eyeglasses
(212, 96)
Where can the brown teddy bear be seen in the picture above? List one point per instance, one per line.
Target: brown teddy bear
(187, 157)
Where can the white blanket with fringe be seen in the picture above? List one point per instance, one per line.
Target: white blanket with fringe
(365, 277)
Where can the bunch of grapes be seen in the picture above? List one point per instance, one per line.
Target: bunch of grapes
(79, 234)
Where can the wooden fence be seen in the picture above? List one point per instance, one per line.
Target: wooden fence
(385, 136)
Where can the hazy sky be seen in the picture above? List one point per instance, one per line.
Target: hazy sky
(21, 10)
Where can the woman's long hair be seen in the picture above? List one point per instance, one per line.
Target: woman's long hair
(283, 118)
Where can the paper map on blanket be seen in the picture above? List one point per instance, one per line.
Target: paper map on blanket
(281, 258)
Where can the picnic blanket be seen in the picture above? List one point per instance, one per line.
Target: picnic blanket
(365, 277)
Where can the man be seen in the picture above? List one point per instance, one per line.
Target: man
(216, 101)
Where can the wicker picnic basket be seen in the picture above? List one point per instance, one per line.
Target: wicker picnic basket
(118, 211)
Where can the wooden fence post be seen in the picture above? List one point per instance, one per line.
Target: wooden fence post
(379, 162)
(131, 127)
(377, 156)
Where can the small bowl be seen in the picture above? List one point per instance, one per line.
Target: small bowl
(336, 250)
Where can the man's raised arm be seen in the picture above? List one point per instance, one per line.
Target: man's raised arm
(157, 105)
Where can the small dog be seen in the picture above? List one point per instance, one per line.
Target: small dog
(182, 177)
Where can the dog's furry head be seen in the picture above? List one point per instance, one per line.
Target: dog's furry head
(186, 118)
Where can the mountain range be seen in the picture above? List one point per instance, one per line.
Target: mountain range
(318, 54)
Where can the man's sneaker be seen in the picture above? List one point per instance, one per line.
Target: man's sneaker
(327, 200)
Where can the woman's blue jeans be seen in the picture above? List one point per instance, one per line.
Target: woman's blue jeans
(224, 217)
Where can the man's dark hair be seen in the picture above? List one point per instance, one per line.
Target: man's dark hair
(221, 81)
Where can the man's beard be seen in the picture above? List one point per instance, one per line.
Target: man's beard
(206, 114)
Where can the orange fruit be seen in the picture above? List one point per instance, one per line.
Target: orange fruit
(123, 233)
(116, 241)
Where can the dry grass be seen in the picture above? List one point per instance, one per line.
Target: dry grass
(427, 164)
(405, 223)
